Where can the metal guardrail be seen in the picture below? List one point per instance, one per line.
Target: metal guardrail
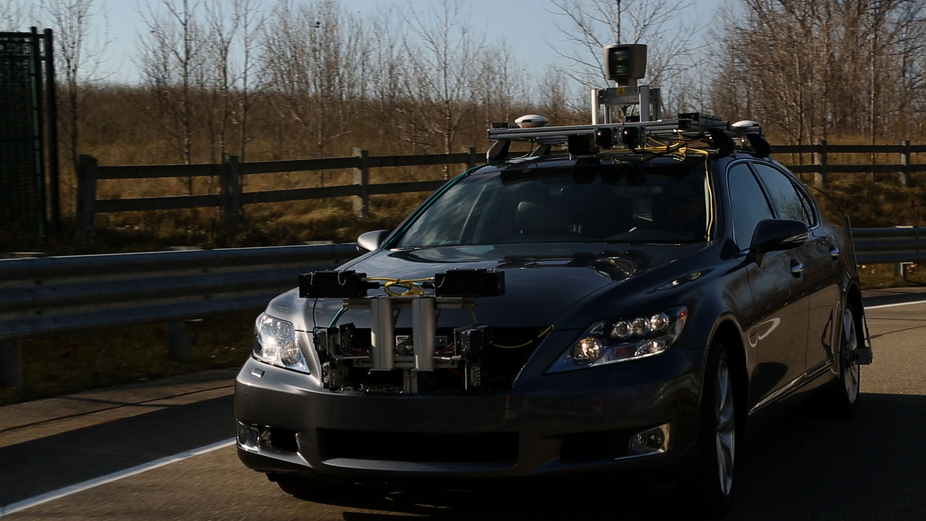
(52, 294)
(889, 245)
(58, 294)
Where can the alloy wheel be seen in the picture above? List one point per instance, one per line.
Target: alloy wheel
(726, 427)
(849, 367)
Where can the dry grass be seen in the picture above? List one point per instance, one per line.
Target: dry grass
(879, 276)
(69, 363)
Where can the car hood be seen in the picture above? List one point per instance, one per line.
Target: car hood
(542, 281)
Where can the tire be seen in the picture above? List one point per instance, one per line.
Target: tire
(717, 437)
(845, 393)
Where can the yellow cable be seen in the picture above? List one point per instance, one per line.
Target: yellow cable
(529, 342)
(710, 193)
(710, 196)
(411, 288)
(426, 279)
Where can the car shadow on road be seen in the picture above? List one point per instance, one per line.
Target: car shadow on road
(803, 467)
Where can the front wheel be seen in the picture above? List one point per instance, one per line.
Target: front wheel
(845, 394)
(713, 484)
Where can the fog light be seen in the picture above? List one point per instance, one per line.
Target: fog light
(251, 436)
(651, 441)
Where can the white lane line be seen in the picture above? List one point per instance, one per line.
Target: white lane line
(115, 476)
(895, 305)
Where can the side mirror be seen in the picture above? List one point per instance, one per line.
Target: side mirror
(371, 240)
(777, 235)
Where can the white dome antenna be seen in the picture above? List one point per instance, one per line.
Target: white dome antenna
(741, 128)
(531, 121)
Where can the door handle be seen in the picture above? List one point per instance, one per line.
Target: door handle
(796, 268)
(834, 253)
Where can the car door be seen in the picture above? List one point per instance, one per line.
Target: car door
(820, 281)
(775, 333)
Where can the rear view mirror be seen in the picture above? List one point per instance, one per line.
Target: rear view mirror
(371, 240)
(777, 235)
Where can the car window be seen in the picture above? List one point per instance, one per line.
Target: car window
(808, 203)
(785, 197)
(664, 203)
(748, 204)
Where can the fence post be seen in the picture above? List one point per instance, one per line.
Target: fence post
(470, 157)
(904, 177)
(11, 365)
(54, 173)
(179, 341)
(87, 172)
(820, 178)
(231, 190)
(362, 179)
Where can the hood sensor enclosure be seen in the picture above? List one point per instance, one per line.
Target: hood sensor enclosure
(469, 283)
(581, 145)
(334, 284)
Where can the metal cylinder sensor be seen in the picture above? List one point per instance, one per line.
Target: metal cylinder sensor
(424, 327)
(382, 335)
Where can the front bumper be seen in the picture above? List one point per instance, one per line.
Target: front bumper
(547, 425)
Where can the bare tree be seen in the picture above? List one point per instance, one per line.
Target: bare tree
(221, 33)
(442, 60)
(309, 64)
(555, 97)
(15, 13)
(816, 67)
(170, 58)
(79, 59)
(502, 84)
(250, 21)
(386, 63)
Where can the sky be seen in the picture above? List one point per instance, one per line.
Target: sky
(528, 26)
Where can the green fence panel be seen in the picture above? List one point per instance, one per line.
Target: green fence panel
(22, 167)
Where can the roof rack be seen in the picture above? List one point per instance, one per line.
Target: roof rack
(582, 139)
(644, 132)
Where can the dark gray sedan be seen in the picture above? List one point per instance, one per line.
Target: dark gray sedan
(629, 313)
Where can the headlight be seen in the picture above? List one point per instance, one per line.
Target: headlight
(275, 343)
(623, 339)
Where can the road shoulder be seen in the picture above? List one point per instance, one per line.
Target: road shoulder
(41, 418)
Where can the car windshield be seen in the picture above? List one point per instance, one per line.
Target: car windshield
(665, 203)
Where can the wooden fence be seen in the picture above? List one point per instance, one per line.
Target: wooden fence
(231, 198)
(822, 167)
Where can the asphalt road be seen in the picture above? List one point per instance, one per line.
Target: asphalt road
(872, 466)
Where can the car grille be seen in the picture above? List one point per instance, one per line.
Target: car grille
(418, 447)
